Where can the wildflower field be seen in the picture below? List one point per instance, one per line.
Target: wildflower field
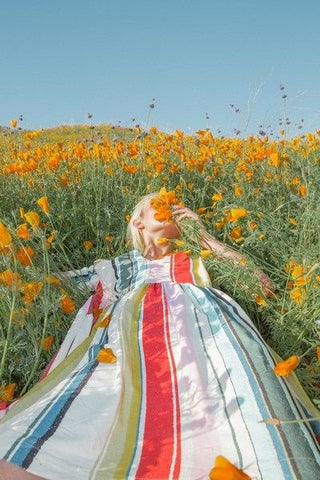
(65, 199)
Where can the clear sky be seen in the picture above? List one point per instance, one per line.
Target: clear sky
(63, 59)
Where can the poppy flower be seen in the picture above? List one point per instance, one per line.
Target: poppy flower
(236, 233)
(217, 197)
(10, 278)
(162, 241)
(238, 191)
(260, 301)
(44, 205)
(201, 210)
(53, 280)
(236, 213)
(7, 392)
(205, 253)
(284, 368)
(46, 342)
(162, 205)
(106, 355)
(67, 304)
(5, 236)
(25, 255)
(225, 470)
(31, 290)
(33, 219)
(297, 295)
(88, 245)
(303, 191)
(105, 321)
(23, 231)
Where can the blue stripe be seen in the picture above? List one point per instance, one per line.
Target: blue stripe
(231, 308)
(48, 420)
(211, 306)
(281, 451)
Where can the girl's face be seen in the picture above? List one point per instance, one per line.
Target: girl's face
(154, 227)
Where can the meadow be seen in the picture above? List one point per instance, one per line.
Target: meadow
(65, 198)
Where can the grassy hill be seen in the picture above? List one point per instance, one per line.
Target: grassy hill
(92, 176)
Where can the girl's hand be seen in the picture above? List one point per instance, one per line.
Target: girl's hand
(180, 213)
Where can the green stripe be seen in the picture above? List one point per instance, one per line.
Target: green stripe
(116, 455)
(52, 380)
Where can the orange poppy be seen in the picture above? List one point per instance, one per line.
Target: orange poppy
(53, 280)
(5, 236)
(260, 301)
(238, 191)
(46, 342)
(87, 245)
(297, 295)
(44, 205)
(162, 241)
(106, 355)
(284, 368)
(225, 470)
(30, 290)
(201, 210)
(7, 392)
(25, 255)
(23, 231)
(67, 304)
(205, 253)
(105, 321)
(217, 197)
(236, 213)
(236, 233)
(10, 278)
(33, 219)
(162, 204)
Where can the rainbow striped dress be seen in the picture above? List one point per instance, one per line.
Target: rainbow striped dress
(191, 381)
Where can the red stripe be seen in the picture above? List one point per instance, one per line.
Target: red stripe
(161, 381)
(4, 406)
(181, 264)
(96, 298)
(46, 370)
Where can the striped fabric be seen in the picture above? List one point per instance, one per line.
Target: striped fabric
(192, 379)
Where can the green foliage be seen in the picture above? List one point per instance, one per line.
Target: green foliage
(91, 193)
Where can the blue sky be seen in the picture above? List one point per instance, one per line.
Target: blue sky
(60, 60)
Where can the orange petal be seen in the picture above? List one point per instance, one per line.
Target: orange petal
(105, 321)
(284, 368)
(106, 355)
(44, 205)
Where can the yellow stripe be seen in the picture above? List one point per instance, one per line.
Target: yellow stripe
(195, 270)
(200, 273)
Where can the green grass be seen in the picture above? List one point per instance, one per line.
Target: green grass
(90, 194)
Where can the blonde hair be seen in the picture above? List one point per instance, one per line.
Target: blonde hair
(134, 237)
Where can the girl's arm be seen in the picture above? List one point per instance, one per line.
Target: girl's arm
(221, 249)
(224, 251)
